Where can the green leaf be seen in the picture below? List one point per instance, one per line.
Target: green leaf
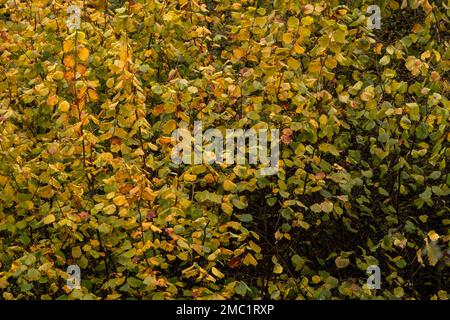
(326, 147)
(385, 60)
(339, 36)
(133, 282)
(246, 217)
(398, 292)
(341, 262)
(422, 131)
(241, 288)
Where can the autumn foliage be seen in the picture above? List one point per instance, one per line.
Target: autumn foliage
(86, 176)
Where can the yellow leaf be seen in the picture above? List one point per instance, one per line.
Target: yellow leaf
(67, 45)
(165, 140)
(69, 61)
(299, 49)
(261, 21)
(368, 94)
(229, 185)
(110, 82)
(227, 208)
(217, 273)
(113, 296)
(64, 106)
(83, 53)
(315, 66)
(169, 126)
(278, 269)
(52, 100)
(93, 95)
(326, 206)
(183, 244)
(109, 209)
(323, 120)
(254, 247)
(3, 180)
(293, 63)
(314, 123)
(303, 224)
(307, 21)
(433, 235)
(417, 28)
(437, 55)
(42, 90)
(189, 177)
(331, 63)
(250, 260)
(238, 53)
(287, 38)
(123, 51)
(293, 22)
(76, 252)
(58, 75)
(120, 200)
(46, 192)
(170, 16)
(49, 219)
(304, 32)
(192, 90)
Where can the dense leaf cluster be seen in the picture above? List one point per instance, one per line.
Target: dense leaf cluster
(86, 175)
